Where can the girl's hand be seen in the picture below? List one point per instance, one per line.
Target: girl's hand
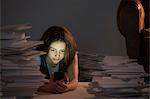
(61, 87)
(54, 87)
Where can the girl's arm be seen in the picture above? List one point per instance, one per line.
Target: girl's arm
(73, 74)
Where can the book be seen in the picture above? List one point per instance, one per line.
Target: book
(16, 27)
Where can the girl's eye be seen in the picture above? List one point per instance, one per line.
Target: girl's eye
(62, 51)
(52, 50)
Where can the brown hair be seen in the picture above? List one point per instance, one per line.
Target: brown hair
(57, 33)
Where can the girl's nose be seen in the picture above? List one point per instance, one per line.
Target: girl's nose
(57, 55)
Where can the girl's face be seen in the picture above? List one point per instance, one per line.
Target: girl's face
(56, 51)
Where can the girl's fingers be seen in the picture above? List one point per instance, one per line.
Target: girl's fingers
(62, 84)
(61, 87)
(54, 87)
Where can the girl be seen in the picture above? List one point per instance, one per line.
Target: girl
(61, 60)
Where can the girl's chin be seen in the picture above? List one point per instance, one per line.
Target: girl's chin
(55, 62)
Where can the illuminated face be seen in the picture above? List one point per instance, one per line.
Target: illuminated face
(57, 51)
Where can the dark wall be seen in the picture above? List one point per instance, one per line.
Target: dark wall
(92, 22)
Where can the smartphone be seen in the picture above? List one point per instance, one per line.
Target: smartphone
(58, 76)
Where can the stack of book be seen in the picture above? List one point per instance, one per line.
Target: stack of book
(20, 74)
(88, 62)
(121, 78)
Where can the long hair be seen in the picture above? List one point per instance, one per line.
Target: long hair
(57, 33)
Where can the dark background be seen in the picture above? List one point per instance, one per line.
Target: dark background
(92, 22)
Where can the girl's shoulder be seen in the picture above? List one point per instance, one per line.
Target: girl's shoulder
(37, 58)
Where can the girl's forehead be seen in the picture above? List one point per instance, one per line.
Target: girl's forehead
(58, 42)
(58, 45)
